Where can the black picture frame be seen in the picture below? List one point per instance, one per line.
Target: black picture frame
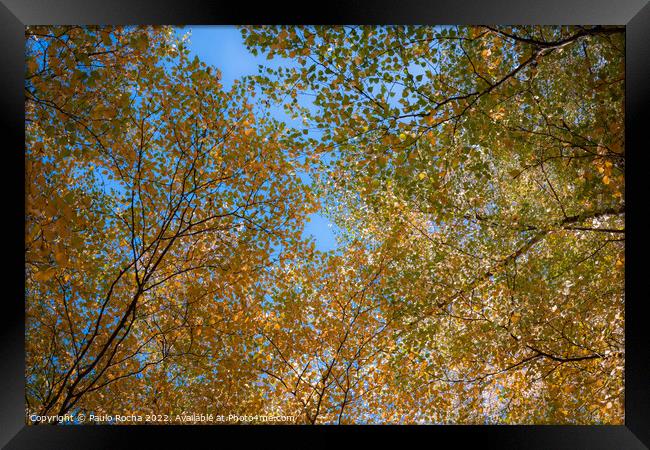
(634, 14)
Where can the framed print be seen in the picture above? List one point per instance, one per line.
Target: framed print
(366, 218)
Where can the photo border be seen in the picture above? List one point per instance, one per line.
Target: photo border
(635, 14)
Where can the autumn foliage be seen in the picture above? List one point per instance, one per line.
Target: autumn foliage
(476, 175)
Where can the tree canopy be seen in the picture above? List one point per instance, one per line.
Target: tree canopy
(476, 175)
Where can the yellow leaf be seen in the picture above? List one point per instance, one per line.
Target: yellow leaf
(32, 66)
(44, 275)
(59, 256)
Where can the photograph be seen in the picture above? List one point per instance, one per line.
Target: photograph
(324, 224)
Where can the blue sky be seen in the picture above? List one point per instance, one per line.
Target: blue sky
(223, 47)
